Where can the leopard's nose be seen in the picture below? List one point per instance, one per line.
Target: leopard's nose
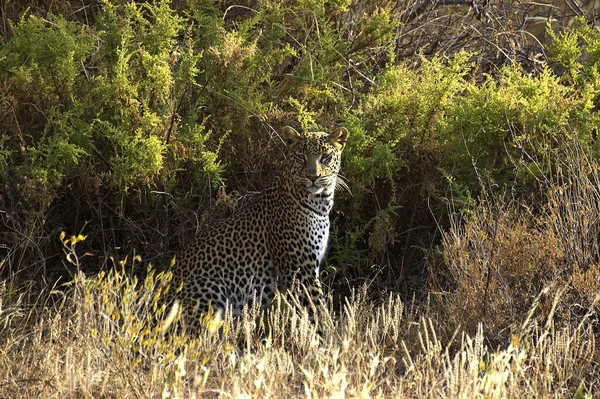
(312, 178)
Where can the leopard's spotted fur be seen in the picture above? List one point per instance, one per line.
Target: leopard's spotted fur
(280, 237)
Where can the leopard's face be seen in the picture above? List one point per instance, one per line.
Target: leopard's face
(315, 158)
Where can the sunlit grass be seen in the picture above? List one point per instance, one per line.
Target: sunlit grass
(103, 338)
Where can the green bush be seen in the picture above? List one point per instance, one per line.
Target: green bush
(130, 114)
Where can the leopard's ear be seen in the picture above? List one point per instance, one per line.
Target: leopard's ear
(290, 136)
(339, 137)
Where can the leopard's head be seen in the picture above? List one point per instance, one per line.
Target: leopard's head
(315, 157)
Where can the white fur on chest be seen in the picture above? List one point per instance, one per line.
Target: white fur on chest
(323, 246)
(320, 237)
(316, 217)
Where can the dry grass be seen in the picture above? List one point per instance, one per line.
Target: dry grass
(100, 340)
(506, 253)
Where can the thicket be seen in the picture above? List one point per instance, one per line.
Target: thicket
(472, 157)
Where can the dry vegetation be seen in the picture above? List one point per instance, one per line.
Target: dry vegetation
(507, 251)
(96, 342)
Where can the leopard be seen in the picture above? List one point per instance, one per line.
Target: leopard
(275, 242)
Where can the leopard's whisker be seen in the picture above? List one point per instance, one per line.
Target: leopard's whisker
(341, 183)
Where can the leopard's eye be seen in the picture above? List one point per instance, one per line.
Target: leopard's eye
(299, 154)
(325, 159)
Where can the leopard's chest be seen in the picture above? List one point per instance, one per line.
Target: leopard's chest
(299, 229)
(323, 238)
(318, 236)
